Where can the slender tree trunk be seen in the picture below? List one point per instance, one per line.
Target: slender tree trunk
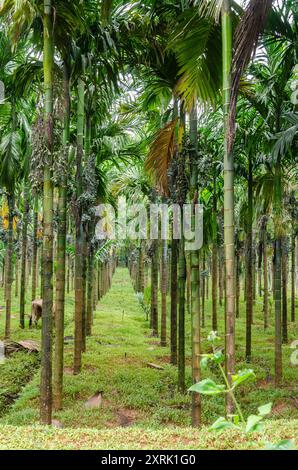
(34, 249)
(277, 274)
(68, 274)
(23, 258)
(163, 284)
(174, 300)
(141, 285)
(214, 256)
(266, 290)
(84, 293)
(16, 278)
(188, 284)
(61, 257)
(196, 334)
(220, 277)
(203, 290)
(94, 287)
(46, 341)
(79, 291)
(249, 263)
(181, 336)
(154, 288)
(284, 262)
(238, 285)
(228, 200)
(254, 283)
(9, 265)
(181, 197)
(90, 290)
(293, 270)
(195, 278)
(260, 260)
(87, 232)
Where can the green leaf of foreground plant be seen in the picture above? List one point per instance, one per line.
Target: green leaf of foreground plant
(207, 387)
(242, 376)
(218, 357)
(221, 424)
(286, 444)
(265, 410)
(253, 423)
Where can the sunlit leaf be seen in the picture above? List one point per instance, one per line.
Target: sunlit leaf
(207, 387)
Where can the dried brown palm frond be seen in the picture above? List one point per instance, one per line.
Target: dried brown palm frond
(245, 43)
(160, 155)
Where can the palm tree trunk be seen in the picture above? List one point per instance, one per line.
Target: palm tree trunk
(94, 287)
(23, 258)
(228, 199)
(34, 249)
(214, 256)
(61, 257)
(260, 260)
(84, 293)
(238, 285)
(284, 262)
(163, 285)
(174, 299)
(68, 274)
(9, 265)
(141, 270)
(90, 280)
(203, 290)
(79, 291)
(181, 324)
(154, 288)
(293, 271)
(277, 273)
(266, 290)
(195, 278)
(87, 235)
(46, 341)
(16, 278)
(220, 277)
(249, 263)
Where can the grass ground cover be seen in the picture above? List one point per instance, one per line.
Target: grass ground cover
(137, 397)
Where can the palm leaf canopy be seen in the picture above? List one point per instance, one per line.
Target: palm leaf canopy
(196, 42)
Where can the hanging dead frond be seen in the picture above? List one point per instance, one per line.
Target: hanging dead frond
(245, 43)
(160, 155)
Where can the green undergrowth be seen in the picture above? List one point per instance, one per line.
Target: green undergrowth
(37, 437)
(15, 372)
(140, 397)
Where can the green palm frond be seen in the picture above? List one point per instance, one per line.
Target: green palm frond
(23, 13)
(132, 182)
(264, 192)
(197, 44)
(286, 138)
(103, 253)
(211, 8)
(5, 114)
(10, 151)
